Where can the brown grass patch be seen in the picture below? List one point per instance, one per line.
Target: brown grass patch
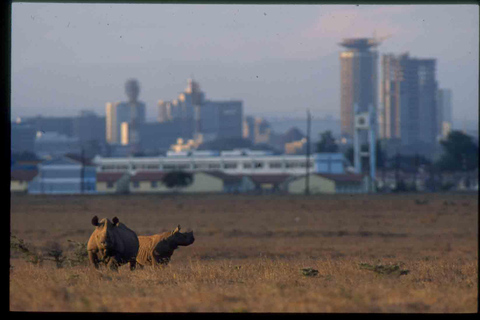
(250, 251)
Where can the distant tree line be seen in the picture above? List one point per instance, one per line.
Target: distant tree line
(460, 154)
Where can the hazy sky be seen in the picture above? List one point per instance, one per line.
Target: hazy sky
(278, 59)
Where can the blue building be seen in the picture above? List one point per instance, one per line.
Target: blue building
(333, 163)
(64, 175)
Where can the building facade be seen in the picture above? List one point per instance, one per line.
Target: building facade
(22, 138)
(408, 96)
(112, 182)
(238, 162)
(60, 125)
(358, 77)
(88, 126)
(119, 113)
(123, 119)
(330, 184)
(20, 179)
(444, 109)
(54, 144)
(63, 175)
(197, 116)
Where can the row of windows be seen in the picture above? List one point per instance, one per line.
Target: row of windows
(212, 166)
(146, 167)
(135, 184)
(153, 184)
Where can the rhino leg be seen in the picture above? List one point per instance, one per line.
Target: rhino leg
(113, 264)
(133, 264)
(163, 261)
(93, 259)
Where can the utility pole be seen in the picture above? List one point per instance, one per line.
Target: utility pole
(307, 166)
(416, 168)
(397, 167)
(40, 170)
(82, 171)
(465, 171)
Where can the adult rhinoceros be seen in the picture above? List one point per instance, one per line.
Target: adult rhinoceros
(112, 243)
(157, 249)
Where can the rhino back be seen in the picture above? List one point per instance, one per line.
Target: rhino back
(126, 241)
(145, 251)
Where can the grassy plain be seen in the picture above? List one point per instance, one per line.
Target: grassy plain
(249, 252)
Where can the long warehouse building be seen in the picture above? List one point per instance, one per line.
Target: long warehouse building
(236, 162)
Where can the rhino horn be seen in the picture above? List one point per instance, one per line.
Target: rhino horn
(177, 229)
(95, 221)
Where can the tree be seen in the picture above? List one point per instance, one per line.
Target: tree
(327, 142)
(177, 179)
(460, 153)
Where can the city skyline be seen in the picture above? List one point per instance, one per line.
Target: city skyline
(273, 58)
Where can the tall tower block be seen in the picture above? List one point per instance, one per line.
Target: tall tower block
(358, 80)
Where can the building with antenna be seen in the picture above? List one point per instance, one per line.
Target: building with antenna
(124, 118)
(358, 62)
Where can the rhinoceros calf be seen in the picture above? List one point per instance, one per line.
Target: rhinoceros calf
(112, 243)
(157, 249)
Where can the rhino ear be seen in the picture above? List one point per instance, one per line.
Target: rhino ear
(177, 229)
(115, 220)
(95, 221)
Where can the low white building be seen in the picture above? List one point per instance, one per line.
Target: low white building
(236, 162)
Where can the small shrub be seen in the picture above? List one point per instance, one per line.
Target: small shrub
(29, 255)
(385, 269)
(80, 254)
(54, 253)
(421, 202)
(309, 272)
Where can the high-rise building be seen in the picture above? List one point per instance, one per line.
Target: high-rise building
(408, 97)
(132, 112)
(22, 138)
(52, 144)
(183, 109)
(358, 80)
(159, 136)
(61, 125)
(249, 128)
(184, 106)
(197, 116)
(230, 116)
(444, 109)
(88, 126)
(262, 131)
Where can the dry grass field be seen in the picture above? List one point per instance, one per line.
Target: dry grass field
(249, 252)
